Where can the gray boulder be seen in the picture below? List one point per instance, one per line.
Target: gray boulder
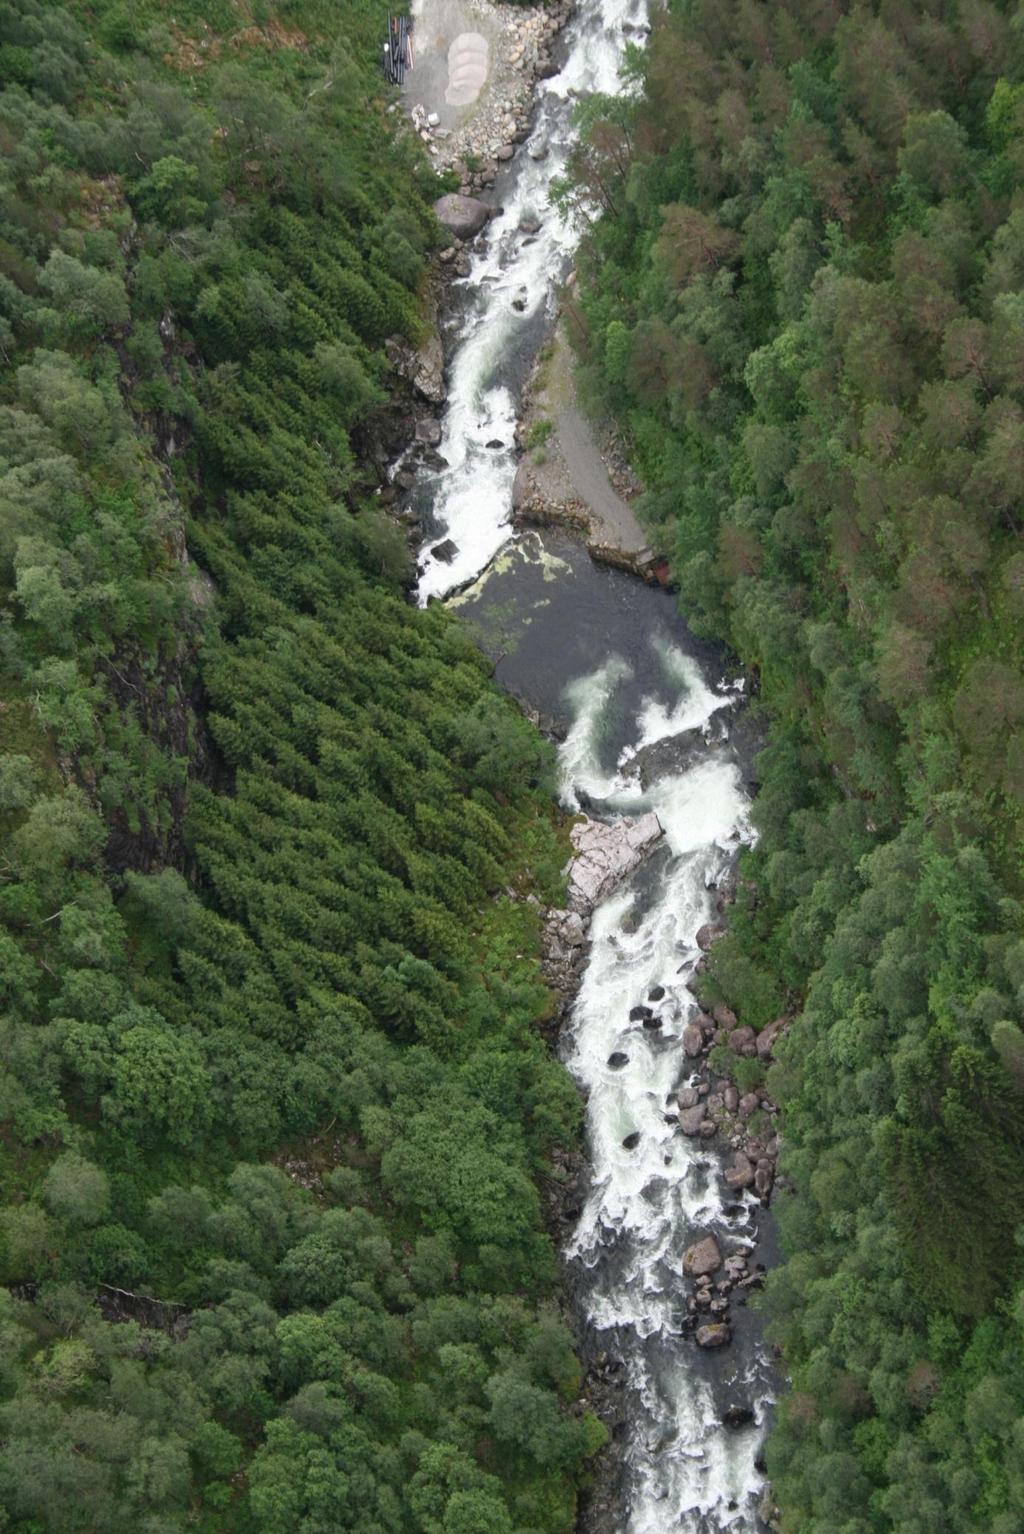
(702, 1258)
(739, 1038)
(741, 1173)
(462, 216)
(693, 1040)
(715, 1335)
(605, 852)
(690, 1120)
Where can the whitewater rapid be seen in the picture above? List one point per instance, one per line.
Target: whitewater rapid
(613, 661)
(650, 1199)
(472, 496)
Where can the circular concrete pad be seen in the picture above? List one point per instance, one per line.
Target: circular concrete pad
(468, 59)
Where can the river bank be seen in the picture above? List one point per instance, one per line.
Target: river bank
(607, 666)
(565, 475)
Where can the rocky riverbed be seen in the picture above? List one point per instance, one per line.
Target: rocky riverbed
(610, 662)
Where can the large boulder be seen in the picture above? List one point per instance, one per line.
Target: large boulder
(763, 1179)
(690, 1120)
(702, 1259)
(709, 934)
(741, 1173)
(768, 1037)
(462, 216)
(715, 1335)
(739, 1038)
(606, 851)
(693, 1040)
(737, 1416)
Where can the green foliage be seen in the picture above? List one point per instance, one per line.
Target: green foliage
(261, 820)
(801, 304)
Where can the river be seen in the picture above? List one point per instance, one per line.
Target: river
(610, 666)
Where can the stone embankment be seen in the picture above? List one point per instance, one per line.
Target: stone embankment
(574, 475)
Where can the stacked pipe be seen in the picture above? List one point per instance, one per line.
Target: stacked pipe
(397, 53)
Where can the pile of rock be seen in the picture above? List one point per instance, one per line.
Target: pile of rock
(713, 1106)
(708, 1303)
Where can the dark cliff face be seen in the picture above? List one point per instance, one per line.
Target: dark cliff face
(166, 703)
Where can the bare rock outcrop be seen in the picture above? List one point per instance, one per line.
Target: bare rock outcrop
(606, 852)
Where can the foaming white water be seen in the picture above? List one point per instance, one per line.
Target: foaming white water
(473, 495)
(648, 1202)
(580, 755)
(694, 706)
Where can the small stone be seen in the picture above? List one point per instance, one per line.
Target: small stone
(763, 1181)
(656, 993)
(731, 1099)
(708, 935)
(688, 1097)
(724, 1016)
(749, 1104)
(631, 1141)
(618, 1060)
(432, 119)
(637, 1014)
(708, 1129)
(445, 551)
(495, 444)
(505, 152)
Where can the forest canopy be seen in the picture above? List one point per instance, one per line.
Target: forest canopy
(273, 1095)
(800, 295)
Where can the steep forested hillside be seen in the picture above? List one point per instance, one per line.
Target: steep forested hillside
(268, 980)
(804, 304)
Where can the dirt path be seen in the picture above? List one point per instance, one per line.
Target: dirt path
(614, 518)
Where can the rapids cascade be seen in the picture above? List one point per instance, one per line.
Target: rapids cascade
(652, 1191)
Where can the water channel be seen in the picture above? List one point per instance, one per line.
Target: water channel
(610, 666)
